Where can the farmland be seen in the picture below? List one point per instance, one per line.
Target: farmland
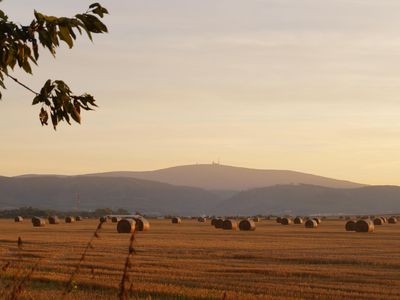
(193, 260)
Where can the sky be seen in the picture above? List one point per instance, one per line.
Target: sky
(305, 85)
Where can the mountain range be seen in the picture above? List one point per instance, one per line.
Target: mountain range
(200, 189)
(220, 177)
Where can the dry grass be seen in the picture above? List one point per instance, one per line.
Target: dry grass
(197, 261)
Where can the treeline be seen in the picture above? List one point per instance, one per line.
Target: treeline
(29, 212)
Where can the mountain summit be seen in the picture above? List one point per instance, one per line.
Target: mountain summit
(222, 177)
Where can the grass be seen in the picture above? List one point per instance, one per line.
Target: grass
(195, 261)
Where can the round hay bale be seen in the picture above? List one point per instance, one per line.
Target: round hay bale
(229, 224)
(378, 221)
(247, 225)
(126, 226)
(213, 221)
(219, 223)
(78, 218)
(201, 220)
(38, 222)
(115, 219)
(318, 220)
(392, 220)
(176, 220)
(256, 219)
(298, 220)
(18, 219)
(278, 220)
(364, 226)
(311, 223)
(69, 219)
(286, 221)
(385, 220)
(103, 219)
(54, 220)
(142, 224)
(350, 225)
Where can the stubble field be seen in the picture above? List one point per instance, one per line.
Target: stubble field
(196, 261)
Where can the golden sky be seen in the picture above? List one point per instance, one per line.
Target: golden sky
(305, 85)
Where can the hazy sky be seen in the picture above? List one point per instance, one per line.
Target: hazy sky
(306, 85)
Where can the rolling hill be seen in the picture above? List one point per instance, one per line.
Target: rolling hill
(309, 199)
(200, 189)
(221, 177)
(60, 193)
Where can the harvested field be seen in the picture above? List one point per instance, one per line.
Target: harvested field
(195, 261)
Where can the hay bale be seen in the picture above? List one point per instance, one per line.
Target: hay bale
(318, 220)
(286, 221)
(126, 226)
(115, 219)
(201, 220)
(103, 219)
(38, 222)
(213, 221)
(247, 225)
(142, 224)
(392, 220)
(378, 221)
(364, 226)
(54, 220)
(385, 220)
(229, 224)
(278, 220)
(256, 219)
(298, 220)
(311, 223)
(350, 225)
(78, 218)
(69, 219)
(176, 220)
(18, 219)
(219, 223)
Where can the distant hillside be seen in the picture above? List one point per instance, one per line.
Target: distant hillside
(310, 199)
(60, 193)
(54, 192)
(220, 177)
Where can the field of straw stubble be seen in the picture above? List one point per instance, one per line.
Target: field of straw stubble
(195, 261)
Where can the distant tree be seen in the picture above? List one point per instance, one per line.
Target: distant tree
(103, 212)
(121, 211)
(19, 47)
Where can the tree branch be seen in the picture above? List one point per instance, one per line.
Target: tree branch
(23, 85)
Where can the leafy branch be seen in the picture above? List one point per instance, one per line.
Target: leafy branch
(19, 47)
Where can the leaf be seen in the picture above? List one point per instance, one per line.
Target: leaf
(75, 115)
(93, 5)
(65, 35)
(36, 100)
(27, 67)
(35, 49)
(43, 116)
(38, 16)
